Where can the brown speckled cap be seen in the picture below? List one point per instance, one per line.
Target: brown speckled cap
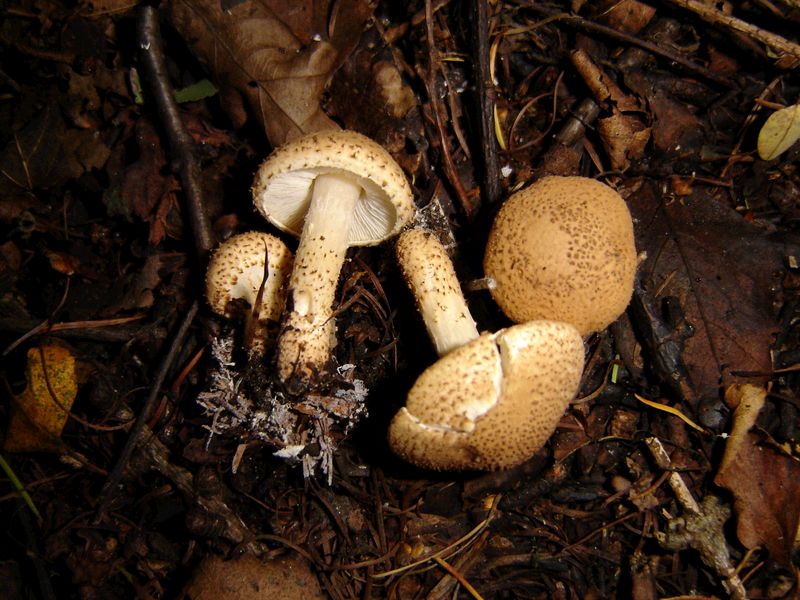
(283, 184)
(492, 403)
(563, 249)
(236, 269)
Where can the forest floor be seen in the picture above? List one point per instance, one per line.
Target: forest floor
(125, 472)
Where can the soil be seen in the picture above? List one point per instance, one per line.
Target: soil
(141, 440)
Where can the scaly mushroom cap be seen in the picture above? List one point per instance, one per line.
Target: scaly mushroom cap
(236, 270)
(335, 189)
(563, 249)
(492, 403)
(283, 184)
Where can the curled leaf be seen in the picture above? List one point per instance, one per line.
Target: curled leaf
(39, 413)
(765, 484)
(277, 55)
(779, 132)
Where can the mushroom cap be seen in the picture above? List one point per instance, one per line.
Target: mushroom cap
(284, 182)
(236, 270)
(563, 249)
(492, 403)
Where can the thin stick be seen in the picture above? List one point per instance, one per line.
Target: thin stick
(486, 101)
(180, 142)
(141, 420)
(712, 15)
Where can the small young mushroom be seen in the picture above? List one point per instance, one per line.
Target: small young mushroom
(492, 400)
(563, 249)
(492, 403)
(335, 189)
(236, 272)
(427, 269)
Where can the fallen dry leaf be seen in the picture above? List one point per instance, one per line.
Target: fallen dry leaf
(765, 484)
(721, 271)
(145, 191)
(278, 55)
(779, 133)
(676, 129)
(39, 413)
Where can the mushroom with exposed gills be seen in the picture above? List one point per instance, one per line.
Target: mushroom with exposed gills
(253, 267)
(335, 189)
(492, 400)
(562, 249)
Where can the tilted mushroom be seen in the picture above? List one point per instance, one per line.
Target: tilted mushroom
(492, 403)
(335, 189)
(493, 400)
(562, 249)
(236, 272)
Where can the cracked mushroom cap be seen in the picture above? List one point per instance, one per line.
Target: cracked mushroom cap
(236, 270)
(492, 403)
(284, 182)
(563, 249)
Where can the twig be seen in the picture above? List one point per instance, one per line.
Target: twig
(709, 13)
(486, 101)
(139, 426)
(458, 577)
(701, 528)
(17, 485)
(101, 330)
(180, 142)
(440, 116)
(576, 21)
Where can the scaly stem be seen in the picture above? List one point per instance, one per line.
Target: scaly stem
(309, 332)
(429, 274)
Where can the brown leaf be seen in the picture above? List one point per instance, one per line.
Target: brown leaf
(145, 190)
(721, 270)
(39, 413)
(765, 484)
(676, 128)
(46, 152)
(278, 55)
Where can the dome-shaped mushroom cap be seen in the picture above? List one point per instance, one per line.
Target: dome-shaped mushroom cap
(563, 249)
(283, 184)
(491, 403)
(236, 270)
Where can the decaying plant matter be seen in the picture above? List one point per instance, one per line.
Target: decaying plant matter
(166, 439)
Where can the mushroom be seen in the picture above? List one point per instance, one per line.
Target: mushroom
(562, 249)
(335, 189)
(237, 270)
(492, 400)
(427, 269)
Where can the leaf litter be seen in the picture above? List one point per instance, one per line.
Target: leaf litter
(664, 108)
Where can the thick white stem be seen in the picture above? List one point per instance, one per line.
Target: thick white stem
(309, 332)
(429, 274)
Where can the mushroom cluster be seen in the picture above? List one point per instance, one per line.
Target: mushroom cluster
(492, 400)
(560, 257)
(333, 189)
(561, 261)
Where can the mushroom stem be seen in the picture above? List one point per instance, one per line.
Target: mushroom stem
(432, 279)
(309, 330)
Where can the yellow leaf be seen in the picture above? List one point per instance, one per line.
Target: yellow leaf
(779, 133)
(39, 413)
